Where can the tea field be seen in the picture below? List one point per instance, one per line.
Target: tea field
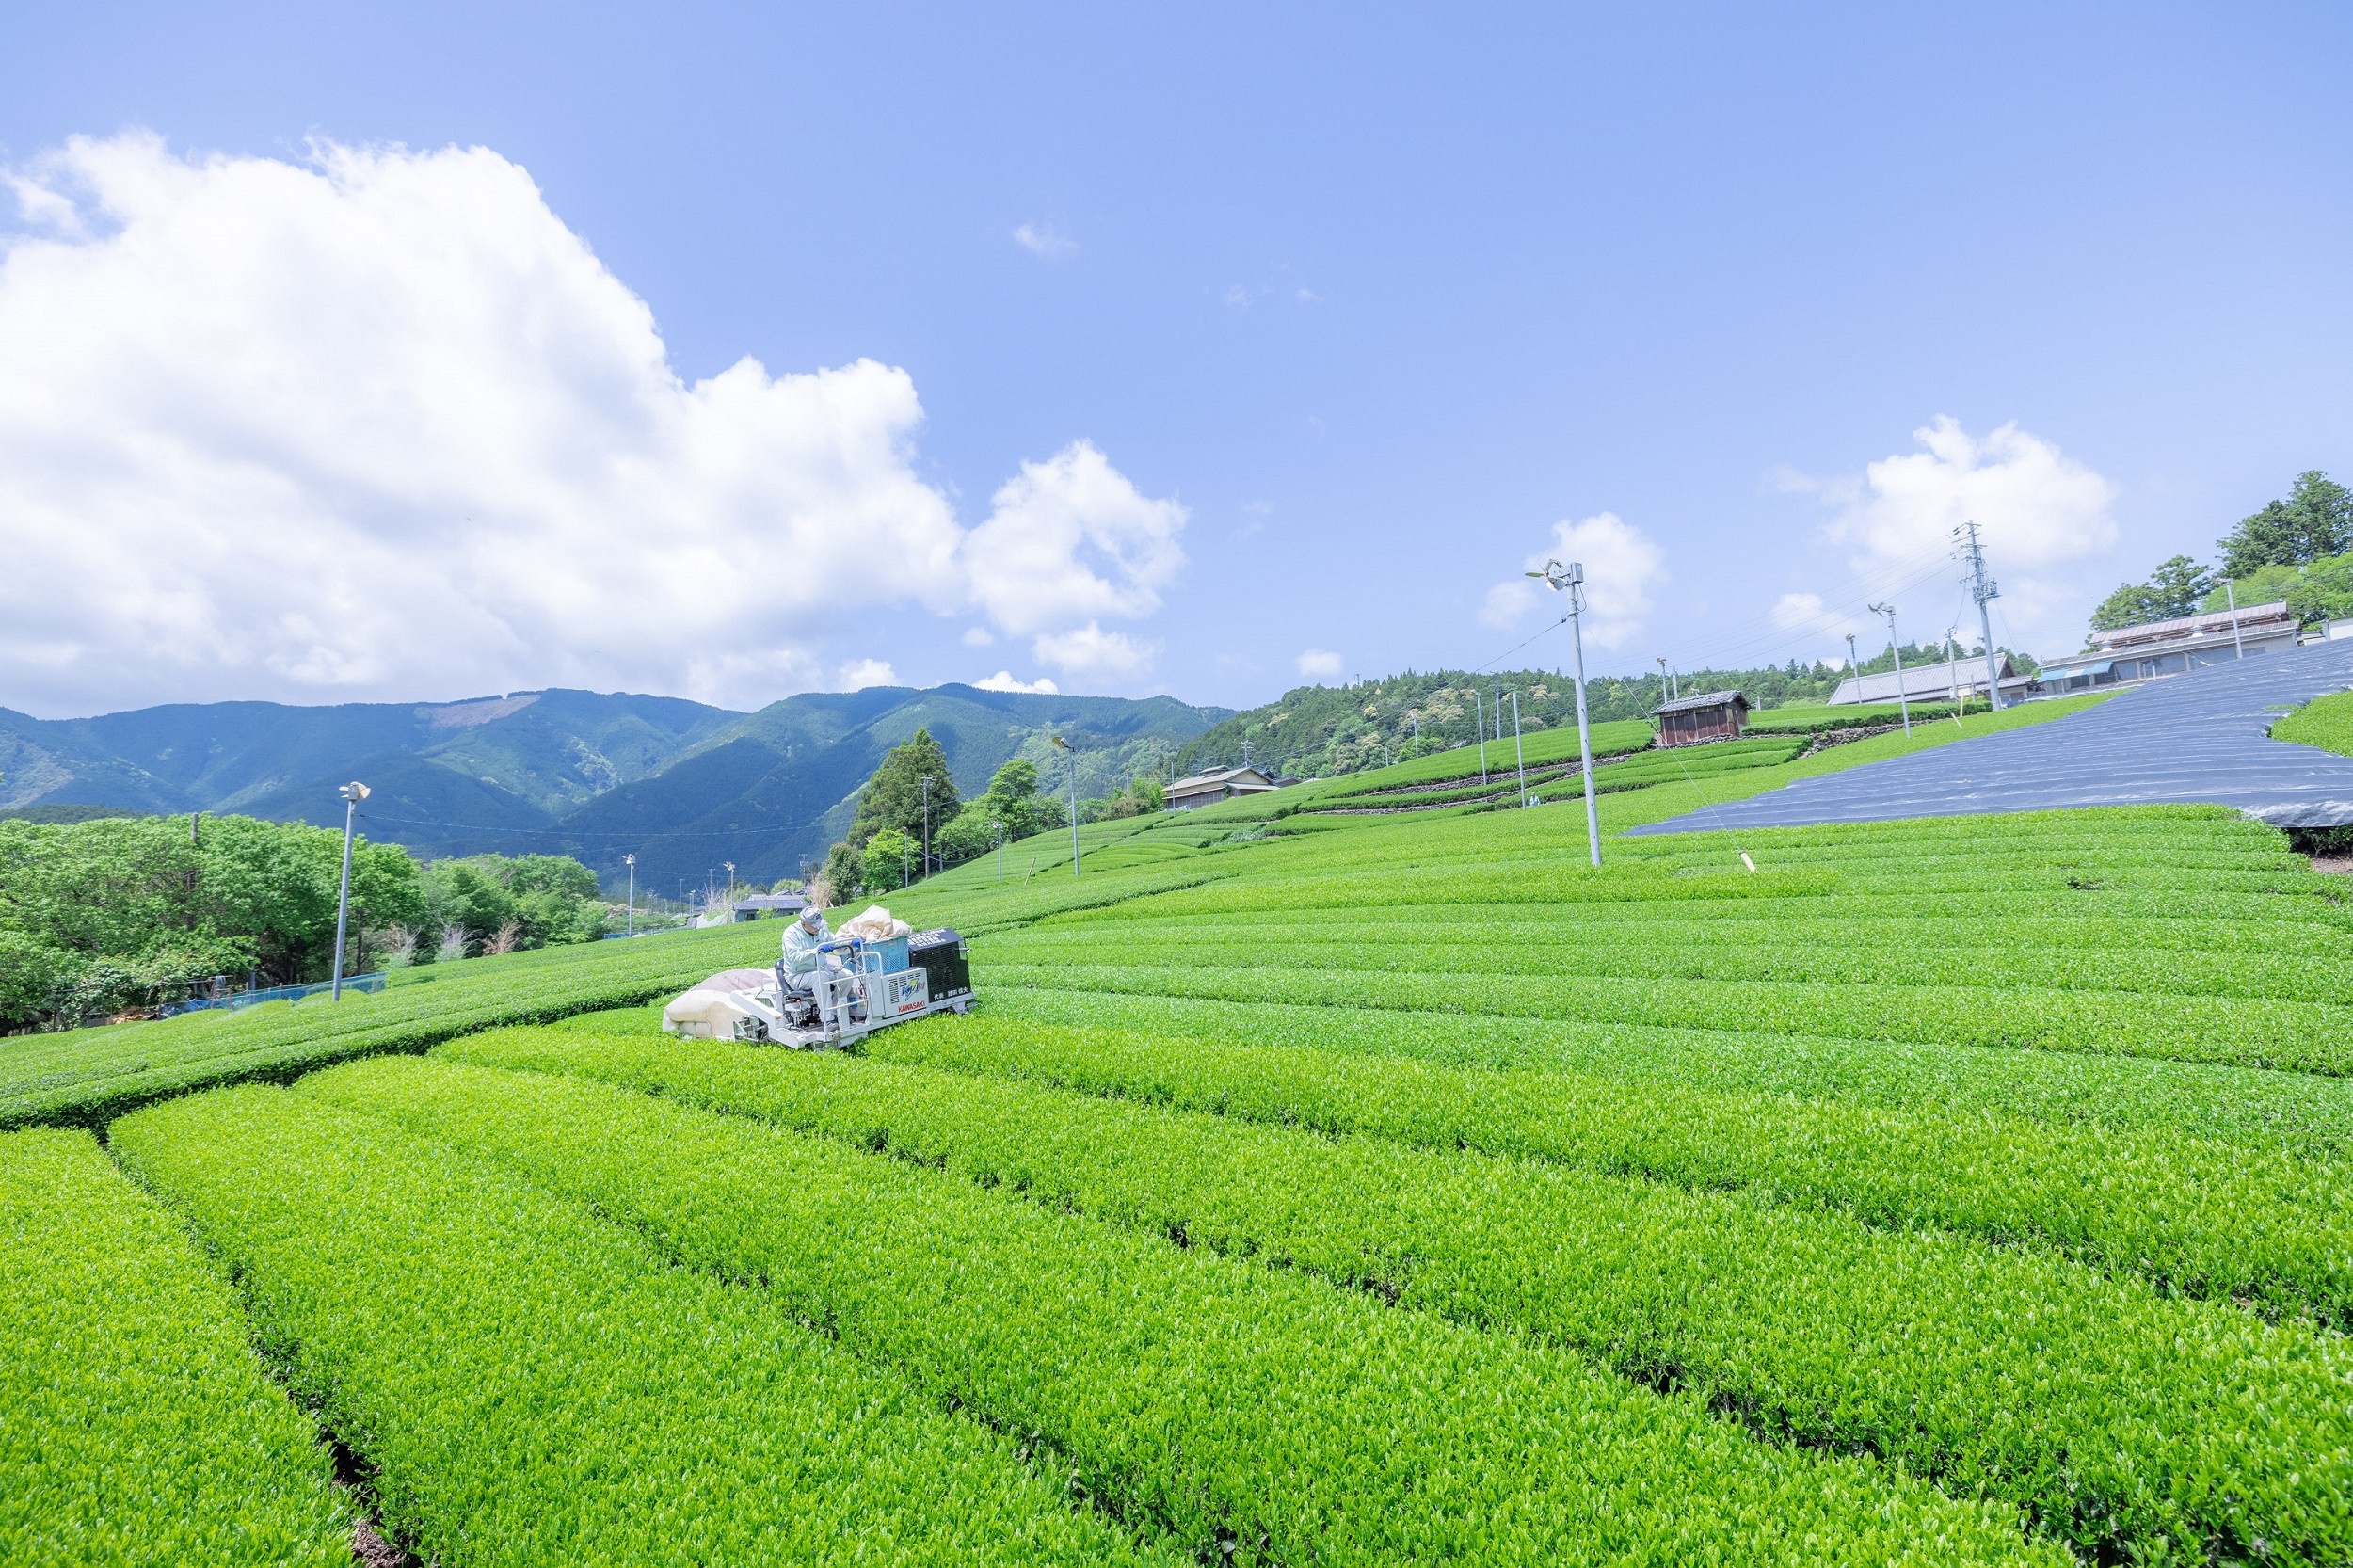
(1321, 1178)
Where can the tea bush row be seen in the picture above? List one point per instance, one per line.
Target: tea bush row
(534, 1385)
(136, 1424)
(1257, 1416)
(2122, 1421)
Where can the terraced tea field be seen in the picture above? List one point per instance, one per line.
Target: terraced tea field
(1314, 1184)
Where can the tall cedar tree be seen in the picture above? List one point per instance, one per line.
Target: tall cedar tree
(2173, 591)
(894, 797)
(2315, 521)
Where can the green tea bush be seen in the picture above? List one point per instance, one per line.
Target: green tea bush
(533, 1385)
(136, 1424)
(1257, 1415)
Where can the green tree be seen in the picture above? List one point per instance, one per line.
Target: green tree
(2314, 522)
(2173, 591)
(894, 797)
(889, 860)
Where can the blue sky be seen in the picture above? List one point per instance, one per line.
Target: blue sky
(1377, 297)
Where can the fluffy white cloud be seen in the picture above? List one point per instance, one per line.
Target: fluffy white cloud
(378, 425)
(1071, 538)
(1091, 650)
(1623, 567)
(978, 636)
(1044, 239)
(864, 673)
(2041, 514)
(1003, 681)
(1317, 664)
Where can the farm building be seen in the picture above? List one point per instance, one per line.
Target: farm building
(1709, 716)
(1935, 680)
(1208, 788)
(2134, 653)
(781, 905)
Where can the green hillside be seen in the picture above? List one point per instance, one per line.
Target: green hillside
(1317, 1178)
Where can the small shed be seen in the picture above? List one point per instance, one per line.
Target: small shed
(1709, 716)
(759, 904)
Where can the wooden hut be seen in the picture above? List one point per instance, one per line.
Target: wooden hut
(1709, 716)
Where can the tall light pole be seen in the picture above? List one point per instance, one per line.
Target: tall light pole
(2230, 596)
(1898, 649)
(1478, 717)
(631, 861)
(1000, 847)
(927, 824)
(1982, 589)
(1074, 796)
(1952, 672)
(1518, 748)
(1854, 667)
(731, 866)
(351, 794)
(1569, 579)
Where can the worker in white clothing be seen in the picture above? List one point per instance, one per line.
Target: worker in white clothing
(805, 962)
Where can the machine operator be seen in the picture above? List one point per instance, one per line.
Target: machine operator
(804, 962)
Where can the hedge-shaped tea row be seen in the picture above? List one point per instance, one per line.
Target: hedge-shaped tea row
(136, 1425)
(2294, 1111)
(1254, 1413)
(2121, 1420)
(2207, 1219)
(533, 1385)
(2312, 1037)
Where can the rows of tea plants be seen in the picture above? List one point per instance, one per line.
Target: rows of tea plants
(135, 1423)
(528, 1382)
(2120, 1423)
(1248, 1414)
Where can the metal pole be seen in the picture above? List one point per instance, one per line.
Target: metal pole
(1000, 847)
(1984, 591)
(1519, 748)
(631, 861)
(1478, 717)
(1854, 668)
(1584, 732)
(353, 793)
(1952, 675)
(1896, 649)
(2231, 596)
(927, 824)
(1074, 795)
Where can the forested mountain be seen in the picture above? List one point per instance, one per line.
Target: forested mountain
(683, 785)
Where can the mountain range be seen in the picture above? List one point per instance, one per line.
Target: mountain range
(684, 786)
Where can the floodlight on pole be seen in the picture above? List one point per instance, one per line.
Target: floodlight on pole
(1854, 667)
(351, 796)
(631, 861)
(1896, 649)
(1569, 579)
(1074, 797)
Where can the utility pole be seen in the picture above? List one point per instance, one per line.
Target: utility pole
(352, 795)
(1519, 748)
(1000, 847)
(927, 824)
(1897, 650)
(2230, 596)
(1571, 581)
(631, 861)
(1983, 590)
(1074, 796)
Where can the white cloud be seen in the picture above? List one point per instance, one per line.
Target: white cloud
(1069, 538)
(1044, 239)
(978, 636)
(1307, 296)
(1317, 664)
(2042, 516)
(1003, 681)
(864, 673)
(1622, 567)
(1091, 650)
(380, 426)
(1238, 297)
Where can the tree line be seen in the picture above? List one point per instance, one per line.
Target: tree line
(108, 916)
(2298, 549)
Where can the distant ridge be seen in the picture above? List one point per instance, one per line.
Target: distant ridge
(683, 785)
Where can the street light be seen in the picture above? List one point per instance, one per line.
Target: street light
(351, 796)
(1569, 579)
(1074, 798)
(631, 861)
(1902, 703)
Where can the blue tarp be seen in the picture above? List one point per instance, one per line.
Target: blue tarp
(2194, 737)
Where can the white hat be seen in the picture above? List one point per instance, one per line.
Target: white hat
(812, 913)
